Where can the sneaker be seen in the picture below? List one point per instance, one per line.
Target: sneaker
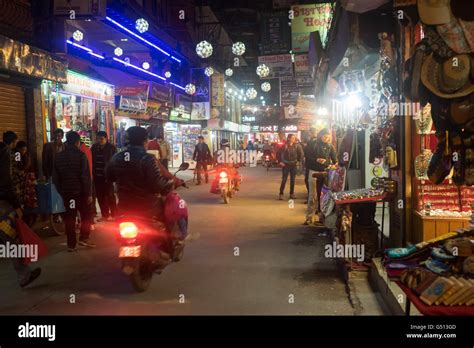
(71, 250)
(280, 197)
(33, 275)
(87, 243)
(292, 196)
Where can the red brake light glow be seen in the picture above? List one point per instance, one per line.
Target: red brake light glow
(128, 230)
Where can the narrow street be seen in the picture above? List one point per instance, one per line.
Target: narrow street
(280, 267)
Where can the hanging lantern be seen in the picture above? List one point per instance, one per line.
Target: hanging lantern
(266, 86)
(118, 51)
(263, 70)
(190, 89)
(141, 25)
(229, 72)
(251, 93)
(78, 35)
(209, 71)
(167, 74)
(238, 48)
(204, 49)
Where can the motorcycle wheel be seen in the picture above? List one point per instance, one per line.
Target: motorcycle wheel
(142, 274)
(225, 196)
(57, 224)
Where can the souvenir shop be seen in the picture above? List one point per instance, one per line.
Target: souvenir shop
(82, 104)
(415, 103)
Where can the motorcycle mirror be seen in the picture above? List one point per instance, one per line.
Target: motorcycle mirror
(183, 166)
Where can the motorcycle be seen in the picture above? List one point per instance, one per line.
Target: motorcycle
(148, 245)
(269, 161)
(225, 183)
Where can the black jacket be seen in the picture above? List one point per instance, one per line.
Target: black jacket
(138, 178)
(317, 149)
(7, 191)
(72, 175)
(101, 155)
(201, 153)
(48, 158)
(290, 155)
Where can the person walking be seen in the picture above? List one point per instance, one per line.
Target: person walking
(50, 150)
(201, 155)
(73, 180)
(291, 154)
(165, 151)
(102, 152)
(10, 210)
(309, 156)
(323, 158)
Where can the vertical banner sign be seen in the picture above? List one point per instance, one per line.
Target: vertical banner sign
(306, 19)
(289, 92)
(276, 33)
(303, 78)
(217, 87)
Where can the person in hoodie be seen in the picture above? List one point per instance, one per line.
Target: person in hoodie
(291, 154)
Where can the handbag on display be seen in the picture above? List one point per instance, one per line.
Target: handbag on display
(441, 163)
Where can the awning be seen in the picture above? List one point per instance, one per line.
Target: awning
(125, 84)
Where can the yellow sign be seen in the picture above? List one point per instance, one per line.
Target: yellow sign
(306, 19)
(218, 91)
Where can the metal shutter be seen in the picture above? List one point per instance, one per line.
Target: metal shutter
(12, 110)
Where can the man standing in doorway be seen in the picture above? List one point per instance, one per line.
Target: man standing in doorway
(50, 150)
(102, 152)
(73, 180)
(165, 151)
(201, 155)
(291, 154)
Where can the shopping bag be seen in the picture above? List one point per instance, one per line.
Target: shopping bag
(49, 199)
(31, 239)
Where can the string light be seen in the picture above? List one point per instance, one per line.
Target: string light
(229, 72)
(204, 49)
(190, 89)
(266, 87)
(238, 48)
(263, 70)
(141, 25)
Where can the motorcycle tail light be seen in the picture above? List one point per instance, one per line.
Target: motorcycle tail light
(267, 157)
(223, 174)
(128, 230)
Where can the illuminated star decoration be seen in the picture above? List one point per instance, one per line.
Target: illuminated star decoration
(141, 25)
(266, 87)
(190, 89)
(251, 93)
(229, 72)
(263, 70)
(238, 48)
(78, 35)
(204, 49)
(209, 71)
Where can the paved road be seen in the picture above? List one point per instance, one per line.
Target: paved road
(280, 268)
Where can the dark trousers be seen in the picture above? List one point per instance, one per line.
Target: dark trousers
(306, 178)
(285, 171)
(164, 162)
(106, 198)
(200, 167)
(74, 204)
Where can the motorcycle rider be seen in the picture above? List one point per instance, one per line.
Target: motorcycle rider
(219, 163)
(139, 177)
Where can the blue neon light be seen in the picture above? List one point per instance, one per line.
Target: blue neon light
(138, 68)
(180, 87)
(142, 39)
(88, 50)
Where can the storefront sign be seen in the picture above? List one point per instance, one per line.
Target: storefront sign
(21, 58)
(244, 128)
(218, 91)
(179, 115)
(157, 110)
(80, 7)
(303, 79)
(183, 102)
(290, 128)
(255, 128)
(231, 126)
(280, 65)
(273, 128)
(289, 92)
(161, 93)
(276, 33)
(306, 19)
(201, 111)
(83, 86)
(248, 118)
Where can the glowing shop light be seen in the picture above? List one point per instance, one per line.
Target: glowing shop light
(209, 71)
(238, 48)
(190, 89)
(88, 50)
(263, 70)
(204, 49)
(266, 86)
(167, 74)
(251, 93)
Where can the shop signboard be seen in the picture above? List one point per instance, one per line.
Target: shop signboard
(201, 111)
(290, 128)
(306, 19)
(271, 128)
(280, 65)
(179, 115)
(243, 128)
(247, 118)
(160, 93)
(289, 92)
(183, 102)
(83, 86)
(255, 129)
(303, 78)
(201, 81)
(217, 90)
(80, 8)
(276, 33)
(133, 97)
(157, 110)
